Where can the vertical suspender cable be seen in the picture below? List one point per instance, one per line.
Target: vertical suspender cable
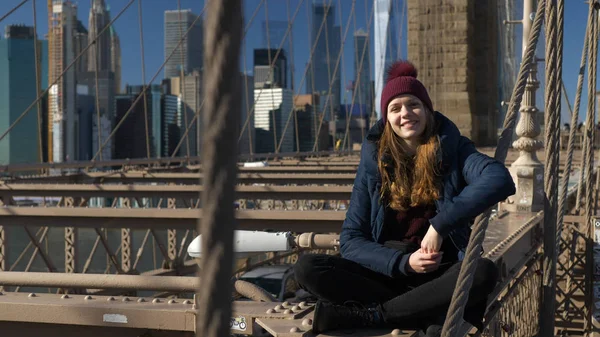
(469, 264)
(223, 27)
(38, 86)
(552, 121)
(590, 130)
(183, 49)
(144, 79)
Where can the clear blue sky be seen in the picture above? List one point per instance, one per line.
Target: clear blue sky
(127, 28)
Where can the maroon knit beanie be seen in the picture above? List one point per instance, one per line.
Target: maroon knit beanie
(402, 79)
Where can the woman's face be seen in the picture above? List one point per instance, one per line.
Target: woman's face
(408, 117)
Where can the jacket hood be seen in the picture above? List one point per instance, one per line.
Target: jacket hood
(448, 134)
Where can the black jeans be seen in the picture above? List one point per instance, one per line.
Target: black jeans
(412, 301)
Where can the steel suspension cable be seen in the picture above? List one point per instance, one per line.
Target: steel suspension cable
(361, 103)
(590, 120)
(270, 60)
(371, 94)
(315, 108)
(573, 129)
(197, 114)
(552, 134)
(290, 44)
(566, 95)
(96, 51)
(275, 60)
(251, 113)
(292, 70)
(181, 83)
(84, 50)
(247, 94)
(580, 187)
(13, 10)
(141, 28)
(358, 83)
(571, 148)
(590, 133)
(335, 71)
(332, 118)
(342, 91)
(469, 264)
(309, 64)
(38, 86)
(224, 28)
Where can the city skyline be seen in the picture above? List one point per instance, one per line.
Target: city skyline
(128, 30)
(153, 13)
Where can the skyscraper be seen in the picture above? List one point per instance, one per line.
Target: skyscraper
(386, 44)
(17, 91)
(362, 77)
(272, 110)
(189, 94)
(273, 34)
(81, 41)
(100, 70)
(98, 20)
(115, 58)
(320, 77)
(188, 56)
(162, 123)
(86, 112)
(264, 75)
(106, 102)
(62, 119)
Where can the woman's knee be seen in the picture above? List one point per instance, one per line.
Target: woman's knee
(308, 268)
(486, 275)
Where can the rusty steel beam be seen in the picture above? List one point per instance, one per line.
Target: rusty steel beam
(144, 218)
(173, 191)
(99, 281)
(101, 311)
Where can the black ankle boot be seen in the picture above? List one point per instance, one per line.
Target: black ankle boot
(329, 316)
(434, 331)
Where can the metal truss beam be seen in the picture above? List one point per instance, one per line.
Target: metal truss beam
(100, 311)
(194, 178)
(173, 191)
(144, 218)
(160, 161)
(100, 281)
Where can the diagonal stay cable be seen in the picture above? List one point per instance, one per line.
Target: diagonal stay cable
(38, 87)
(84, 50)
(197, 113)
(96, 51)
(358, 83)
(466, 274)
(143, 59)
(309, 63)
(13, 10)
(251, 113)
(573, 129)
(335, 70)
(182, 86)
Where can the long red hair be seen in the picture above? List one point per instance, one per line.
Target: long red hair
(407, 180)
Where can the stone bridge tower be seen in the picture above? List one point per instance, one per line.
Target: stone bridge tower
(453, 44)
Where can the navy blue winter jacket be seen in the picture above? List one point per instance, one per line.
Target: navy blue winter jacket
(472, 182)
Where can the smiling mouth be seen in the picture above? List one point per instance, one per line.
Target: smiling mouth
(409, 123)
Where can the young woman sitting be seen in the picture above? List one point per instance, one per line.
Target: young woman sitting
(418, 187)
